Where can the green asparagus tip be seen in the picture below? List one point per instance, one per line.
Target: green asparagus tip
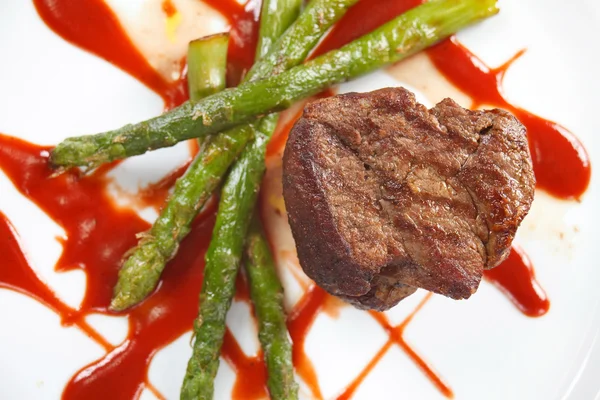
(70, 152)
(138, 276)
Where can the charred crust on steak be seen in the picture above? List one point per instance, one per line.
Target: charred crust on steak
(385, 196)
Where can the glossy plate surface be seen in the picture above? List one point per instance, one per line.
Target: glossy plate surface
(483, 348)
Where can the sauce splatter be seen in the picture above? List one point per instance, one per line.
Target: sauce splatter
(516, 279)
(155, 193)
(251, 371)
(396, 336)
(169, 8)
(20, 277)
(98, 234)
(101, 34)
(299, 323)
(280, 136)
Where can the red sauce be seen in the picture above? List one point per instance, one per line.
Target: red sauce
(242, 291)
(101, 33)
(20, 277)
(280, 136)
(395, 336)
(353, 386)
(98, 233)
(155, 193)
(251, 371)
(169, 8)
(516, 279)
(299, 323)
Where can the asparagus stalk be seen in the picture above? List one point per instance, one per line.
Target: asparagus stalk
(206, 65)
(221, 267)
(222, 264)
(267, 295)
(405, 35)
(301, 37)
(141, 271)
(223, 257)
(139, 274)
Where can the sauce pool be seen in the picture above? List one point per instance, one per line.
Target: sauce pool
(98, 233)
(516, 279)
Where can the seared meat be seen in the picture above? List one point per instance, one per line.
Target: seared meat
(385, 196)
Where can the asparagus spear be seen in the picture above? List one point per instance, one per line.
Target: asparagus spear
(403, 36)
(238, 197)
(141, 271)
(221, 265)
(139, 274)
(206, 64)
(267, 295)
(293, 47)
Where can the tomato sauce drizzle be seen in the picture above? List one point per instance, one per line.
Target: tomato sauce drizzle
(98, 233)
(280, 136)
(169, 8)
(251, 371)
(21, 278)
(91, 25)
(299, 323)
(155, 193)
(395, 336)
(516, 279)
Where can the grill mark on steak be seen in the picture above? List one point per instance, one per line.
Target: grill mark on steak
(385, 196)
(391, 268)
(483, 242)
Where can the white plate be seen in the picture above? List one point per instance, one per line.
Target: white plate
(483, 347)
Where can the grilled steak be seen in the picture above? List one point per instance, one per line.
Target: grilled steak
(385, 196)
